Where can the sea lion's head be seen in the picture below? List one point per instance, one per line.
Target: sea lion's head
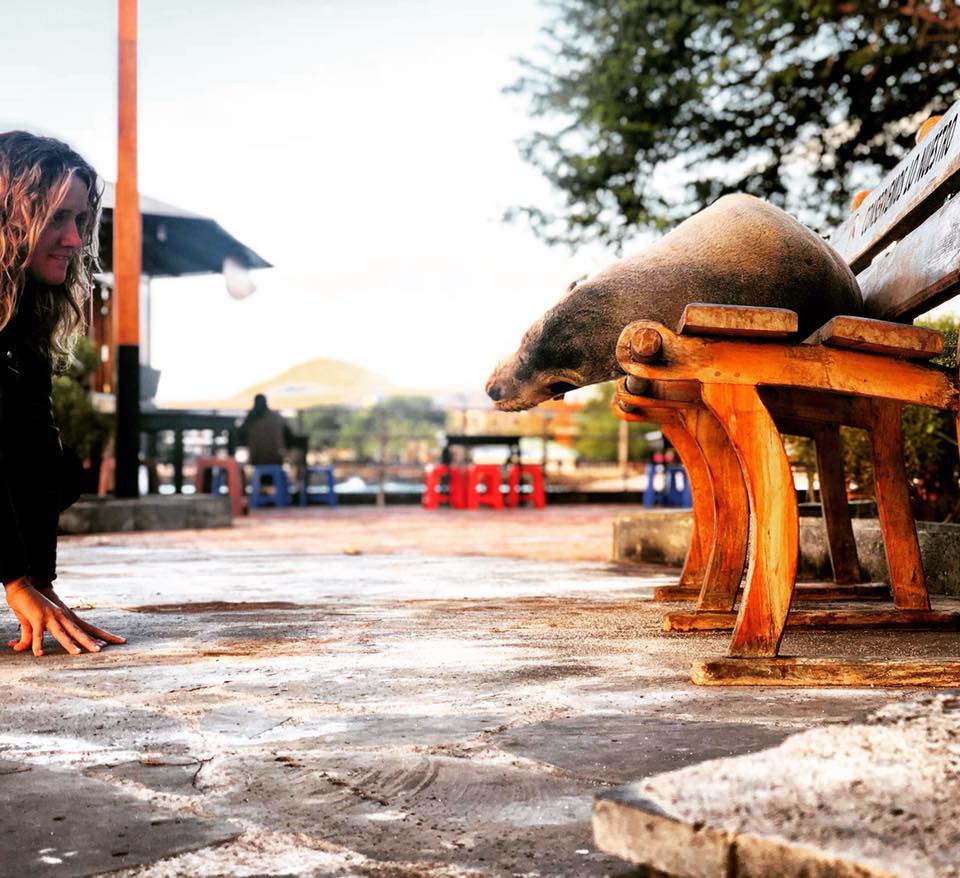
(565, 349)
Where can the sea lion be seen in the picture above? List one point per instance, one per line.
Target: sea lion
(738, 251)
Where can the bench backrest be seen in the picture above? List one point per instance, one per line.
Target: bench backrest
(912, 210)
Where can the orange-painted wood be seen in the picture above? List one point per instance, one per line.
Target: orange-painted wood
(126, 214)
(737, 321)
(701, 491)
(900, 543)
(879, 337)
(836, 508)
(923, 620)
(805, 672)
(813, 367)
(774, 522)
(731, 509)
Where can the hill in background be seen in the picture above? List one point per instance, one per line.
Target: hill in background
(331, 382)
(316, 382)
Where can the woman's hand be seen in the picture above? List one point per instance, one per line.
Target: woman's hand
(39, 610)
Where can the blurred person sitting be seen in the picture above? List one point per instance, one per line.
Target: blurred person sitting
(266, 434)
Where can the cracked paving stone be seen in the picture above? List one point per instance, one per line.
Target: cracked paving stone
(60, 823)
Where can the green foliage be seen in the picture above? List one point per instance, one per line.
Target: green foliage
(401, 419)
(81, 426)
(930, 443)
(652, 109)
(598, 429)
(930, 447)
(322, 425)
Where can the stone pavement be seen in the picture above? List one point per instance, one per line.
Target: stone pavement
(354, 692)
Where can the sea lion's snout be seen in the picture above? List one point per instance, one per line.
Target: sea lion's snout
(514, 387)
(505, 388)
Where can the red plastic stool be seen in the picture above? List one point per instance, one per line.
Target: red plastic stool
(488, 475)
(537, 495)
(453, 496)
(108, 472)
(234, 479)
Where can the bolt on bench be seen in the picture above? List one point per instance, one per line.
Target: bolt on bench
(728, 377)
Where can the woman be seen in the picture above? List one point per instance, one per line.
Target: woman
(49, 207)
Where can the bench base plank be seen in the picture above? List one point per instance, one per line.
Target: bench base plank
(824, 672)
(805, 591)
(928, 620)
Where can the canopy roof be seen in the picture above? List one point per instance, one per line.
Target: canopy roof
(175, 241)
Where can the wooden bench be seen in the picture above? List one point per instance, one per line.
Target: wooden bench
(728, 377)
(717, 554)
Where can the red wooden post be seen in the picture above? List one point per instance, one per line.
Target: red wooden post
(126, 258)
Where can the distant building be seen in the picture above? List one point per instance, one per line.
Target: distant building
(556, 418)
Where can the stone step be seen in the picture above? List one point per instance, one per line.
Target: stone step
(874, 800)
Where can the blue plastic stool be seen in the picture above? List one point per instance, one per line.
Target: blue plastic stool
(678, 487)
(329, 496)
(651, 496)
(281, 488)
(218, 480)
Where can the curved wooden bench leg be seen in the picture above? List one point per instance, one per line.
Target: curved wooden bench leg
(836, 511)
(704, 526)
(774, 520)
(731, 509)
(900, 544)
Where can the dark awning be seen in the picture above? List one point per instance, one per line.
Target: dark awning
(175, 241)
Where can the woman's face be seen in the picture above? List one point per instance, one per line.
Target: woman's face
(61, 237)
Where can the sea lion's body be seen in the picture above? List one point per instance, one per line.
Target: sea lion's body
(738, 251)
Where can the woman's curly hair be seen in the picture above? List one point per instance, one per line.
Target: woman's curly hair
(35, 174)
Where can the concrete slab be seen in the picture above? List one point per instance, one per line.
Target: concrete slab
(880, 799)
(92, 514)
(661, 536)
(408, 714)
(60, 823)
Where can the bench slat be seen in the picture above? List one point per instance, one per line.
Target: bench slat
(879, 337)
(737, 320)
(919, 272)
(913, 190)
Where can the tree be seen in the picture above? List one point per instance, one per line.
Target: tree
(598, 429)
(322, 425)
(404, 420)
(653, 109)
(81, 426)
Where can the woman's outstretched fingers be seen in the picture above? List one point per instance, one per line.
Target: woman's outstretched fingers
(61, 636)
(85, 626)
(99, 633)
(74, 629)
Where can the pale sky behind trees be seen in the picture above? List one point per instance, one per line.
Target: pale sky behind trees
(363, 147)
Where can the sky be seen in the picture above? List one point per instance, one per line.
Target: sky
(363, 147)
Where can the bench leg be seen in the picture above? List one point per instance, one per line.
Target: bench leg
(704, 526)
(836, 510)
(731, 508)
(774, 520)
(900, 543)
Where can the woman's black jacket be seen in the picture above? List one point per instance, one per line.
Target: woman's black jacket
(31, 457)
